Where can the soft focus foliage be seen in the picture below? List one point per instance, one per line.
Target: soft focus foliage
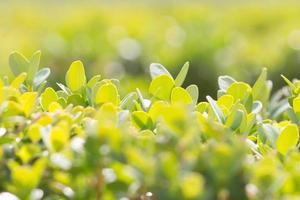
(88, 141)
(119, 39)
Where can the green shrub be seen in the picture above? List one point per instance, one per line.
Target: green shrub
(86, 141)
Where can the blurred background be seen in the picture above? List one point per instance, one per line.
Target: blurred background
(119, 39)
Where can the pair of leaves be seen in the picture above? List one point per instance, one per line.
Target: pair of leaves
(157, 70)
(20, 64)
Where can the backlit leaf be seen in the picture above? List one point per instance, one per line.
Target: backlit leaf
(75, 77)
(182, 74)
(161, 87)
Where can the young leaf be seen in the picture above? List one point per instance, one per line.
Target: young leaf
(144, 102)
(287, 139)
(260, 89)
(141, 120)
(157, 70)
(34, 65)
(18, 63)
(128, 101)
(194, 93)
(257, 107)
(48, 96)
(76, 100)
(18, 80)
(182, 74)
(75, 77)
(180, 95)
(290, 84)
(224, 82)
(239, 91)
(296, 105)
(40, 77)
(92, 82)
(218, 112)
(67, 91)
(234, 119)
(28, 100)
(161, 87)
(107, 93)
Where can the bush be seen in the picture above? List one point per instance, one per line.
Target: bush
(86, 141)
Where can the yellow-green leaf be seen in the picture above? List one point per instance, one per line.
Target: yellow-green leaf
(18, 80)
(161, 87)
(48, 96)
(287, 139)
(75, 77)
(180, 95)
(107, 93)
(141, 120)
(28, 101)
(239, 91)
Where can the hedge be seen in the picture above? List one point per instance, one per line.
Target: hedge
(86, 141)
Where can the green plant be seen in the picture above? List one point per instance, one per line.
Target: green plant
(86, 141)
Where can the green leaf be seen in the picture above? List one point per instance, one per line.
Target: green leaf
(218, 112)
(157, 70)
(144, 102)
(34, 65)
(141, 120)
(287, 139)
(75, 77)
(48, 96)
(28, 100)
(128, 101)
(19, 80)
(234, 119)
(18, 63)
(40, 77)
(296, 105)
(76, 100)
(257, 107)
(92, 82)
(224, 82)
(194, 93)
(107, 93)
(65, 89)
(182, 74)
(260, 89)
(161, 87)
(202, 107)
(239, 91)
(290, 84)
(180, 95)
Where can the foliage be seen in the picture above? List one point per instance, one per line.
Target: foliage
(87, 141)
(120, 40)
